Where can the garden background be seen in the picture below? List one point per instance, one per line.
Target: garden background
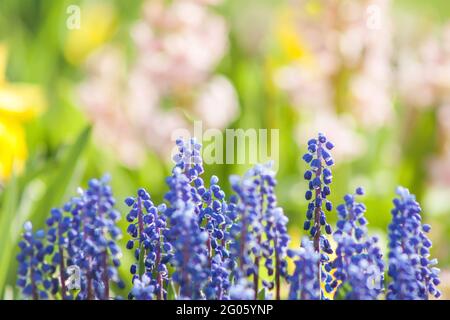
(77, 103)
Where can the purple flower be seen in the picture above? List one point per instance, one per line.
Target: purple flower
(92, 239)
(320, 177)
(412, 272)
(260, 232)
(359, 266)
(34, 274)
(304, 283)
(189, 241)
(151, 249)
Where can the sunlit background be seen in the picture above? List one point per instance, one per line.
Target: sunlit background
(373, 75)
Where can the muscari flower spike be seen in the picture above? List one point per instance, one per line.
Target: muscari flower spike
(304, 283)
(212, 210)
(58, 239)
(358, 266)
(147, 226)
(412, 272)
(188, 240)
(319, 178)
(260, 233)
(34, 273)
(93, 236)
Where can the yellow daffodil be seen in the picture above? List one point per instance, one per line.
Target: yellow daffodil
(97, 24)
(19, 103)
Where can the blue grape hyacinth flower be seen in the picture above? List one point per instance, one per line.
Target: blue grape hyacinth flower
(92, 239)
(413, 273)
(260, 232)
(188, 240)
(319, 177)
(152, 251)
(358, 266)
(34, 274)
(304, 283)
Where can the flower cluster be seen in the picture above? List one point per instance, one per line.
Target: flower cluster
(34, 273)
(319, 178)
(260, 232)
(410, 267)
(199, 244)
(151, 249)
(304, 283)
(83, 234)
(359, 267)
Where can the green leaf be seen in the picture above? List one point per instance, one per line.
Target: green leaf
(171, 292)
(7, 213)
(262, 294)
(53, 196)
(342, 291)
(59, 185)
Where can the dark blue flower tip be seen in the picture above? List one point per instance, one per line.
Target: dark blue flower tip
(307, 157)
(329, 162)
(130, 244)
(329, 145)
(129, 201)
(316, 164)
(360, 191)
(308, 175)
(322, 138)
(316, 183)
(56, 214)
(307, 225)
(308, 195)
(142, 193)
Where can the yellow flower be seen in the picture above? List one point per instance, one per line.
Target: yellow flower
(97, 24)
(19, 103)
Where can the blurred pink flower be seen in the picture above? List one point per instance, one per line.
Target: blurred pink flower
(339, 129)
(424, 72)
(345, 72)
(178, 46)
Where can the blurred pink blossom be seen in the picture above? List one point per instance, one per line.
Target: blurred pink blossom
(347, 72)
(178, 46)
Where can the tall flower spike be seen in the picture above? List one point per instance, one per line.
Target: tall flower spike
(152, 251)
(57, 236)
(92, 239)
(189, 241)
(34, 273)
(211, 208)
(319, 176)
(214, 219)
(261, 231)
(359, 266)
(304, 283)
(245, 232)
(412, 272)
